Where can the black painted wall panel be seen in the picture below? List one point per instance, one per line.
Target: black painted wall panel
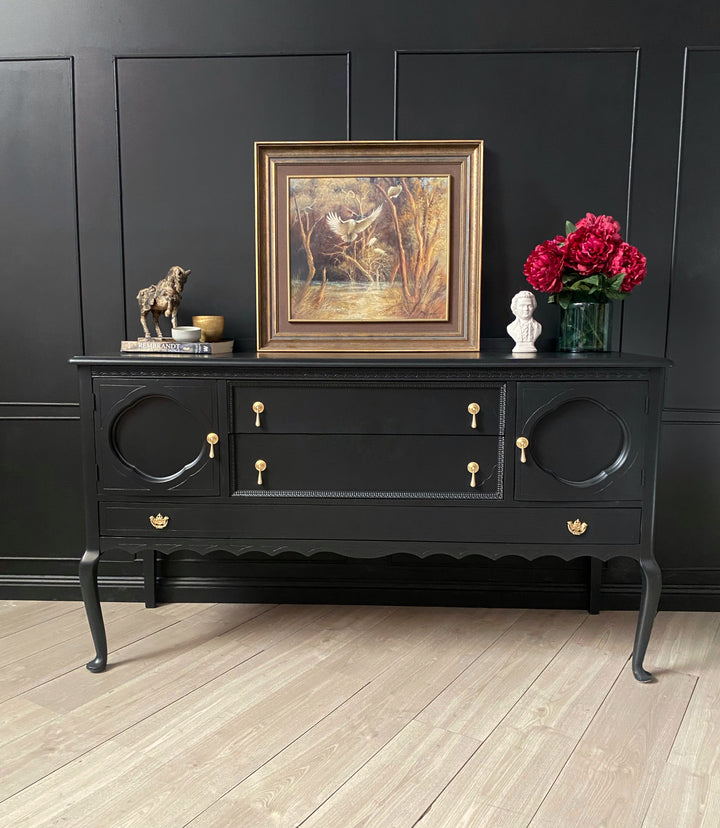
(39, 290)
(98, 201)
(687, 530)
(542, 166)
(695, 295)
(652, 194)
(41, 490)
(187, 132)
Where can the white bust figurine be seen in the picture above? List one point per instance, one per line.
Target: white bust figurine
(524, 330)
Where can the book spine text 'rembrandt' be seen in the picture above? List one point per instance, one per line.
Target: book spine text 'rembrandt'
(168, 347)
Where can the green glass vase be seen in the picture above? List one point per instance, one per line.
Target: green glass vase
(586, 326)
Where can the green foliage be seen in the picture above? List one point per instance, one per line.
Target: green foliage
(595, 288)
(569, 228)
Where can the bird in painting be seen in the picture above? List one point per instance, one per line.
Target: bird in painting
(394, 192)
(350, 229)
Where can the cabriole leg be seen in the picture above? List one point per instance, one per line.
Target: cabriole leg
(91, 599)
(652, 584)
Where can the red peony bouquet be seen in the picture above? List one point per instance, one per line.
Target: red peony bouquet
(591, 263)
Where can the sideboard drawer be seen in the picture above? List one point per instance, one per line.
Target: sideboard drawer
(402, 409)
(453, 523)
(365, 465)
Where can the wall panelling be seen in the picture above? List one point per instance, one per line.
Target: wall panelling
(536, 167)
(187, 129)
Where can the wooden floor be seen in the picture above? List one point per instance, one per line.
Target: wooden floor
(255, 715)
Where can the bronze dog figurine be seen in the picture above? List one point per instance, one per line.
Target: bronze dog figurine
(164, 297)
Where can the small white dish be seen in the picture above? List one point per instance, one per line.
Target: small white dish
(186, 333)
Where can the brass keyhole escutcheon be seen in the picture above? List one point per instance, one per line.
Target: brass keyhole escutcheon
(522, 443)
(260, 465)
(212, 439)
(258, 408)
(159, 521)
(576, 527)
(474, 409)
(473, 468)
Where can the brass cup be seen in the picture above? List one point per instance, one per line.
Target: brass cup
(211, 327)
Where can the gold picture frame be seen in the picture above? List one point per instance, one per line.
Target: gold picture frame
(368, 245)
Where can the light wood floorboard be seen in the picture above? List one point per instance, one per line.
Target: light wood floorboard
(321, 716)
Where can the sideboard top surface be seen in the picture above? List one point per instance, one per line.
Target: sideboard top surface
(491, 359)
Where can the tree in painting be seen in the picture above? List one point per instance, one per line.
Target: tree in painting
(369, 248)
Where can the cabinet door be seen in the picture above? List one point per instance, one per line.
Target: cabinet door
(151, 436)
(586, 440)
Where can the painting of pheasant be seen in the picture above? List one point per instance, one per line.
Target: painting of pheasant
(368, 248)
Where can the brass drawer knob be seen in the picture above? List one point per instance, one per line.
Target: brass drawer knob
(159, 521)
(212, 439)
(473, 468)
(258, 408)
(474, 409)
(576, 527)
(522, 443)
(260, 465)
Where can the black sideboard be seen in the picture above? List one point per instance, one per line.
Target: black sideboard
(490, 454)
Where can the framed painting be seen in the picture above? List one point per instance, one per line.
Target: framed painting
(369, 245)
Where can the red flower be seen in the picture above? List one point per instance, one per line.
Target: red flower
(589, 250)
(544, 265)
(629, 261)
(604, 226)
(592, 259)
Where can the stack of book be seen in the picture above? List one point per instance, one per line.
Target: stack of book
(169, 346)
